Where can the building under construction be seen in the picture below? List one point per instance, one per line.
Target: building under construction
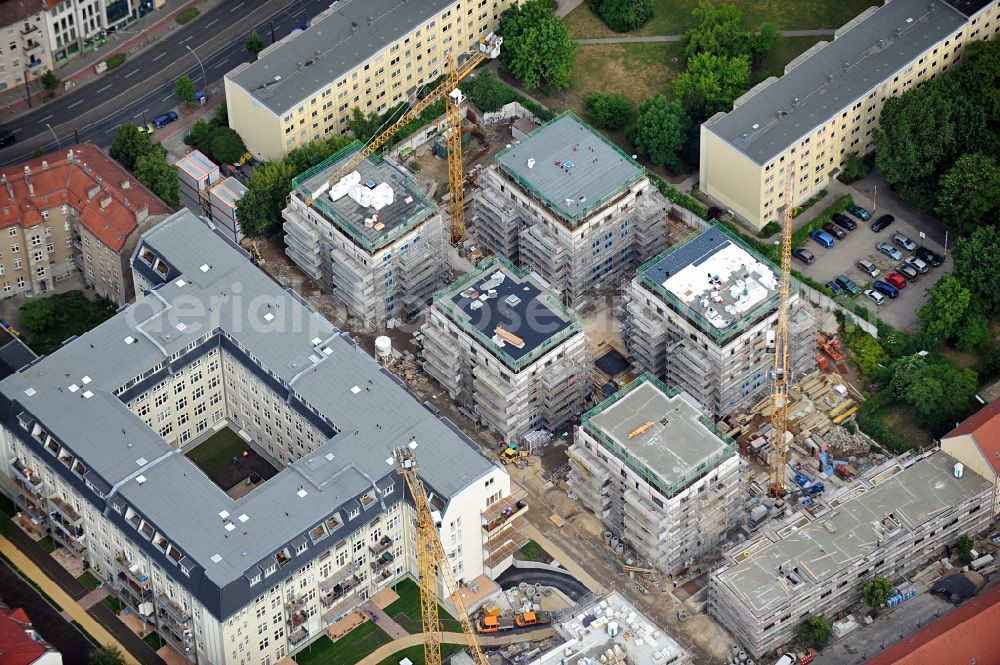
(372, 239)
(702, 315)
(507, 351)
(658, 472)
(569, 204)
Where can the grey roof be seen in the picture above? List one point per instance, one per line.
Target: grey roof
(575, 168)
(330, 48)
(675, 443)
(817, 551)
(843, 70)
(216, 297)
(14, 354)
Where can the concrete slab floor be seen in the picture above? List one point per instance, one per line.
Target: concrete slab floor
(69, 561)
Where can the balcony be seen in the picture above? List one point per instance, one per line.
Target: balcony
(66, 510)
(28, 28)
(30, 47)
(298, 635)
(381, 546)
(380, 563)
(497, 555)
(511, 512)
(296, 619)
(26, 474)
(130, 572)
(341, 607)
(341, 575)
(340, 591)
(295, 603)
(174, 610)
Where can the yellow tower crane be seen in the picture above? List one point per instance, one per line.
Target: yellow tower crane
(780, 373)
(432, 562)
(488, 48)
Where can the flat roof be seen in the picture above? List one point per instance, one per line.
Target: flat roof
(348, 35)
(498, 295)
(776, 115)
(570, 166)
(665, 432)
(373, 228)
(212, 297)
(720, 283)
(850, 531)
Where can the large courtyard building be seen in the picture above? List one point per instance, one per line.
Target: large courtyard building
(364, 54)
(895, 519)
(655, 469)
(975, 442)
(827, 104)
(507, 351)
(572, 206)
(702, 315)
(373, 240)
(247, 561)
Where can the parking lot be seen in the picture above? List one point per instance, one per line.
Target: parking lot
(843, 258)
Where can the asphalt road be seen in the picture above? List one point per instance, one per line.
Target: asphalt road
(145, 82)
(569, 585)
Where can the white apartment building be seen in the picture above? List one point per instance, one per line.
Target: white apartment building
(894, 520)
(508, 352)
(376, 243)
(95, 441)
(25, 53)
(827, 103)
(572, 206)
(659, 474)
(702, 315)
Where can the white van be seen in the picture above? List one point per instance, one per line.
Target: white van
(787, 659)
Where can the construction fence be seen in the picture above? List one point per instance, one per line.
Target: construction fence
(828, 304)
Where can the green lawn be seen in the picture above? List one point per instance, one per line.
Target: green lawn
(405, 610)
(47, 544)
(785, 50)
(217, 452)
(153, 640)
(88, 580)
(532, 551)
(348, 650)
(673, 17)
(113, 604)
(416, 654)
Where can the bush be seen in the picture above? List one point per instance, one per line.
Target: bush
(840, 205)
(625, 15)
(115, 61)
(769, 230)
(854, 168)
(810, 202)
(487, 92)
(678, 197)
(187, 16)
(608, 111)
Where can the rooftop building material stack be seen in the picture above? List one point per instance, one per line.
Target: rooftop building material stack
(223, 198)
(196, 174)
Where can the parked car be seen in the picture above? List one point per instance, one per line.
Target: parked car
(918, 264)
(904, 241)
(844, 222)
(823, 238)
(165, 119)
(7, 137)
(803, 255)
(147, 128)
(908, 271)
(868, 268)
(835, 231)
(896, 280)
(836, 288)
(885, 288)
(859, 212)
(848, 285)
(889, 251)
(928, 257)
(882, 222)
(875, 296)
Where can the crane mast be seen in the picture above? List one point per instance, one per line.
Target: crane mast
(780, 373)
(431, 562)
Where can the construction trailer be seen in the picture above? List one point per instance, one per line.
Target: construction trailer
(504, 348)
(569, 204)
(701, 315)
(658, 472)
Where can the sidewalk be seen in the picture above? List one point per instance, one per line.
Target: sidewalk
(677, 38)
(384, 621)
(80, 71)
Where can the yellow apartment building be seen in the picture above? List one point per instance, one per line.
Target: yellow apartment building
(370, 54)
(827, 103)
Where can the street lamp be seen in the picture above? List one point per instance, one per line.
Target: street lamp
(58, 142)
(204, 79)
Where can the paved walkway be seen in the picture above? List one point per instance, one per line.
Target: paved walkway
(677, 38)
(395, 646)
(94, 597)
(384, 621)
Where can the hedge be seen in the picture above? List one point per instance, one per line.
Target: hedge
(187, 16)
(115, 61)
(802, 234)
(676, 196)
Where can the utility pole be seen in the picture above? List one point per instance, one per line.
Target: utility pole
(76, 136)
(272, 31)
(27, 90)
(58, 142)
(204, 79)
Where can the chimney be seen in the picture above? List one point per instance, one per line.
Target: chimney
(27, 179)
(8, 185)
(92, 192)
(71, 156)
(128, 204)
(142, 214)
(125, 184)
(105, 202)
(45, 165)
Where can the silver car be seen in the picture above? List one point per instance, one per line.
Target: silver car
(904, 241)
(889, 251)
(917, 264)
(875, 296)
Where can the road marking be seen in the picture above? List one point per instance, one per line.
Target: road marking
(49, 116)
(235, 7)
(222, 62)
(109, 130)
(104, 88)
(214, 21)
(186, 39)
(76, 104)
(134, 71)
(15, 131)
(158, 57)
(296, 13)
(166, 98)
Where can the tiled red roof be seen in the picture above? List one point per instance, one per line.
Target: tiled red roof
(966, 635)
(70, 182)
(984, 426)
(16, 647)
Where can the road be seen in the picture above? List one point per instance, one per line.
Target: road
(145, 82)
(569, 585)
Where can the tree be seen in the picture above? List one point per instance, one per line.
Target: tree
(39, 315)
(765, 40)
(608, 111)
(963, 548)
(720, 31)
(251, 210)
(977, 266)
(227, 147)
(184, 88)
(305, 157)
(254, 44)
(967, 194)
(945, 309)
(974, 330)
(815, 631)
(717, 80)
(259, 210)
(153, 171)
(200, 135)
(854, 168)
(625, 15)
(877, 592)
(537, 48)
(220, 118)
(867, 353)
(487, 92)
(936, 391)
(364, 126)
(50, 81)
(979, 72)
(660, 131)
(128, 145)
(107, 655)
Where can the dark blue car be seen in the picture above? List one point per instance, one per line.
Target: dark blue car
(165, 119)
(885, 288)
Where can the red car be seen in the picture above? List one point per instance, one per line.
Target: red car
(896, 280)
